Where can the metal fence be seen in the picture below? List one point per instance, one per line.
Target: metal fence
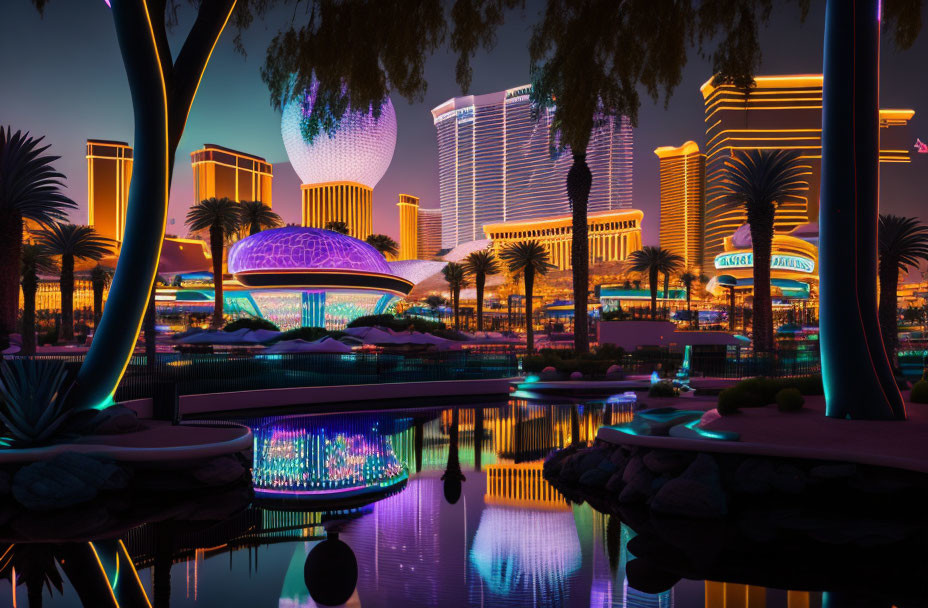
(723, 363)
(219, 372)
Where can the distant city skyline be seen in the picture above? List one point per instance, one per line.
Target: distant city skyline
(87, 97)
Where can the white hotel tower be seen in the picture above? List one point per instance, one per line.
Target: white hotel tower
(496, 163)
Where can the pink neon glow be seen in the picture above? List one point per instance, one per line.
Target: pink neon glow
(921, 147)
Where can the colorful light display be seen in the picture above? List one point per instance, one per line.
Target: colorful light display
(307, 458)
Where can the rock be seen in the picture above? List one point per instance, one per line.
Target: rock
(635, 464)
(549, 373)
(219, 471)
(615, 483)
(554, 463)
(637, 484)
(116, 419)
(667, 461)
(615, 372)
(64, 481)
(619, 458)
(833, 471)
(607, 465)
(5, 483)
(788, 479)
(576, 375)
(753, 476)
(696, 493)
(595, 478)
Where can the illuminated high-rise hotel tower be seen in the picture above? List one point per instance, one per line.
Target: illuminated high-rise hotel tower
(779, 112)
(340, 169)
(409, 227)
(225, 173)
(428, 239)
(497, 163)
(683, 194)
(109, 171)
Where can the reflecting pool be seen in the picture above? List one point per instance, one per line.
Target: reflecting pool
(417, 507)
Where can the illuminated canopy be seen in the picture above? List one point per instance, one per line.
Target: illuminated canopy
(745, 259)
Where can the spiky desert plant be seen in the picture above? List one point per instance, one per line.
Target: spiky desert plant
(32, 400)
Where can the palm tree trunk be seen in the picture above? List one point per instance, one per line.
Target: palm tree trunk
(30, 286)
(579, 182)
(731, 308)
(97, 304)
(762, 239)
(889, 305)
(66, 283)
(254, 229)
(216, 238)
(455, 302)
(160, 116)
(11, 251)
(689, 307)
(652, 280)
(529, 327)
(858, 379)
(480, 281)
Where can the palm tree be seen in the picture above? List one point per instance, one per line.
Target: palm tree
(480, 264)
(72, 242)
(339, 227)
(35, 259)
(688, 279)
(30, 189)
(457, 279)
(654, 260)
(760, 180)
(903, 244)
(384, 244)
(221, 217)
(100, 277)
(257, 216)
(528, 258)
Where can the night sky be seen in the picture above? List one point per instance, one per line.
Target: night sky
(62, 77)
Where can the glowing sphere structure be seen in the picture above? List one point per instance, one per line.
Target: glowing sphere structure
(311, 277)
(359, 151)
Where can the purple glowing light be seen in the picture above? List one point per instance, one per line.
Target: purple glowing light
(295, 248)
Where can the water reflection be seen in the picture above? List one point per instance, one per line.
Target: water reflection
(433, 507)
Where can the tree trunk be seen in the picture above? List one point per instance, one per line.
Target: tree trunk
(30, 286)
(216, 239)
(151, 335)
(856, 373)
(889, 278)
(97, 304)
(66, 283)
(666, 287)
(689, 307)
(455, 302)
(160, 112)
(254, 229)
(529, 327)
(762, 238)
(652, 283)
(480, 281)
(579, 182)
(731, 309)
(11, 252)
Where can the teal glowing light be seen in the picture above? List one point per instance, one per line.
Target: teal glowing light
(532, 379)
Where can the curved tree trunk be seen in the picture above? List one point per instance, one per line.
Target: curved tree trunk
(216, 241)
(889, 278)
(529, 276)
(11, 252)
(480, 282)
(856, 373)
(66, 283)
(162, 93)
(762, 238)
(579, 182)
(652, 283)
(30, 287)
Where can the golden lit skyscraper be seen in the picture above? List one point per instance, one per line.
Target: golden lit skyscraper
(683, 195)
(109, 171)
(222, 172)
(409, 226)
(428, 239)
(779, 112)
(347, 202)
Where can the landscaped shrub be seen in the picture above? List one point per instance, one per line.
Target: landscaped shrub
(919, 392)
(729, 402)
(309, 334)
(49, 337)
(664, 388)
(252, 323)
(789, 400)
(397, 323)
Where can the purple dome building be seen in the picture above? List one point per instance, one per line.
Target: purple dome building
(310, 277)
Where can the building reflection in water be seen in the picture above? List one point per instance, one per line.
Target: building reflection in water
(510, 538)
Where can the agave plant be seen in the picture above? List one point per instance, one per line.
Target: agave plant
(32, 400)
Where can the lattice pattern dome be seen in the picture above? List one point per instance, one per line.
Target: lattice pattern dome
(360, 151)
(296, 248)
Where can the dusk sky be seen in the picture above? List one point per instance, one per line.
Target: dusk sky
(63, 78)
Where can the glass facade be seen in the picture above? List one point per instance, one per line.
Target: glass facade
(497, 162)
